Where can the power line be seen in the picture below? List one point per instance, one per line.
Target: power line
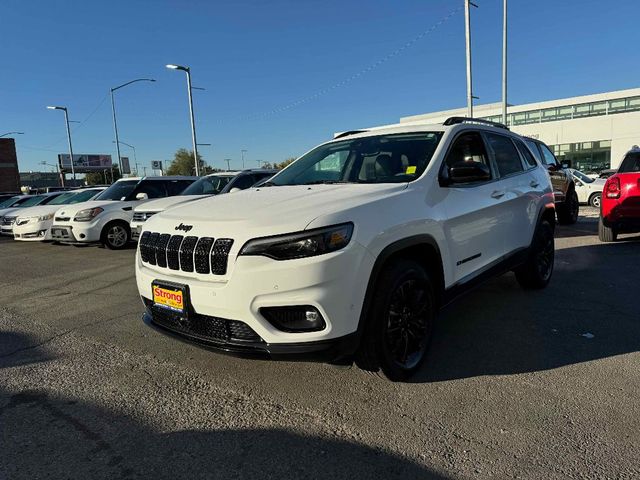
(352, 77)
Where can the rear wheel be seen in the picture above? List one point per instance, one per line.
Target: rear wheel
(606, 234)
(401, 318)
(116, 235)
(569, 210)
(595, 199)
(536, 272)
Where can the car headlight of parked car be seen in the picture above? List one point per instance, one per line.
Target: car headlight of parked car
(302, 244)
(87, 214)
(44, 218)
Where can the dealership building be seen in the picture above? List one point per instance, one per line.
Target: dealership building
(592, 131)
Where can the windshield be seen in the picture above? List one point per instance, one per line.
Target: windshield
(118, 190)
(208, 185)
(381, 159)
(31, 201)
(631, 163)
(582, 177)
(8, 202)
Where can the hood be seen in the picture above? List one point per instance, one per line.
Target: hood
(265, 211)
(72, 209)
(161, 204)
(10, 211)
(38, 211)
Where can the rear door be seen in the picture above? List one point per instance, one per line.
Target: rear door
(475, 212)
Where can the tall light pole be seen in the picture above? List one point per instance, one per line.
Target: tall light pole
(504, 62)
(113, 111)
(228, 160)
(11, 133)
(135, 157)
(242, 152)
(467, 31)
(66, 118)
(187, 70)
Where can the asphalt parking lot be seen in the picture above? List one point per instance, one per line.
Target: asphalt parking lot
(517, 384)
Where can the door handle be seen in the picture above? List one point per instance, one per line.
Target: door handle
(534, 184)
(498, 194)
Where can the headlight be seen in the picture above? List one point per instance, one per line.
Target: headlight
(303, 244)
(44, 218)
(88, 214)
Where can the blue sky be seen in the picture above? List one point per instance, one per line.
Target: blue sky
(257, 59)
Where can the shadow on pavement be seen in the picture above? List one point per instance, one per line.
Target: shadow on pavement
(60, 438)
(586, 313)
(17, 349)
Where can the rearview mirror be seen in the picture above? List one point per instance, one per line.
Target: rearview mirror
(142, 196)
(469, 172)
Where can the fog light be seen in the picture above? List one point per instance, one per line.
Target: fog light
(42, 233)
(302, 318)
(82, 235)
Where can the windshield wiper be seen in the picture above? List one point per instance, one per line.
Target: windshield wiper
(325, 182)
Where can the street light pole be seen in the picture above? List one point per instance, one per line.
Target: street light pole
(113, 111)
(187, 70)
(467, 31)
(242, 152)
(228, 160)
(66, 119)
(504, 62)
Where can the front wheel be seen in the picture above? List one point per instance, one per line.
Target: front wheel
(536, 272)
(400, 321)
(116, 235)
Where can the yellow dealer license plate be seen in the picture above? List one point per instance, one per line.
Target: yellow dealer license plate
(169, 296)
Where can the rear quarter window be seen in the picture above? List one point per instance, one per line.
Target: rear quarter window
(630, 163)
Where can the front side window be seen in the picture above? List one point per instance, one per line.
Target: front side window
(468, 147)
(631, 163)
(243, 182)
(211, 185)
(118, 191)
(153, 189)
(506, 156)
(394, 158)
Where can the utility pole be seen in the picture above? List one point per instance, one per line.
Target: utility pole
(228, 160)
(242, 152)
(504, 62)
(467, 31)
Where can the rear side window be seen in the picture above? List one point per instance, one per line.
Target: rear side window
(549, 158)
(534, 149)
(631, 163)
(526, 154)
(506, 155)
(468, 147)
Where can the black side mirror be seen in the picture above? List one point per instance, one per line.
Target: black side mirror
(469, 172)
(566, 164)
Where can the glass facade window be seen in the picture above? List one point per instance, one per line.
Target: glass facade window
(598, 108)
(588, 157)
(549, 115)
(583, 110)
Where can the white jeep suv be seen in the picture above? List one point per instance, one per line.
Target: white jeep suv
(106, 218)
(350, 251)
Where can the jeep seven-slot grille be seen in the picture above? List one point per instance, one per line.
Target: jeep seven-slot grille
(177, 252)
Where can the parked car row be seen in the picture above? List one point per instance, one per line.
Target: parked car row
(105, 214)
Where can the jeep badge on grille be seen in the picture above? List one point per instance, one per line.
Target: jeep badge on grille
(184, 228)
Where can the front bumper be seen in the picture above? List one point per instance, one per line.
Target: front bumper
(334, 284)
(337, 350)
(75, 233)
(6, 230)
(136, 230)
(32, 231)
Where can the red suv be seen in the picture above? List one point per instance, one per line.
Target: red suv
(620, 207)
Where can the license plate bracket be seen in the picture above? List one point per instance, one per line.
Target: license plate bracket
(170, 296)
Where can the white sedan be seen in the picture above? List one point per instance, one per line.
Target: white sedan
(34, 223)
(589, 190)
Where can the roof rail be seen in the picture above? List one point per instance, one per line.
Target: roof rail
(456, 120)
(346, 134)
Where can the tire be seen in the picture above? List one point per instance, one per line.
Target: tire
(536, 272)
(569, 210)
(595, 199)
(115, 235)
(399, 322)
(606, 234)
